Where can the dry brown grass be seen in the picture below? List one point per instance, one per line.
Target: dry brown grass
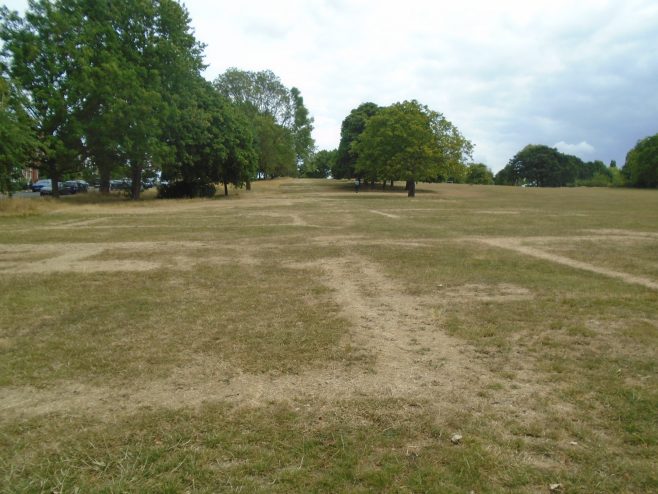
(301, 337)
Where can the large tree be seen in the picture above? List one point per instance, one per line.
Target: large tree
(18, 142)
(352, 127)
(262, 93)
(275, 147)
(139, 79)
(408, 141)
(105, 80)
(302, 129)
(320, 164)
(641, 167)
(540, 166)
(479, 173)
(40, 49)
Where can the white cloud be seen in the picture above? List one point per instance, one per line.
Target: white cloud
(581, 149)
(507, 73)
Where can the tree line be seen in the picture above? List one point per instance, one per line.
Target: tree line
(405, 141)
(543, 166)
(408, 141)
(116, 87)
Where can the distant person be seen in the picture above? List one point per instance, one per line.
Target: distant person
(357, 184)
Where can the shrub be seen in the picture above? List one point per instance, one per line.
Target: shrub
(180, 189)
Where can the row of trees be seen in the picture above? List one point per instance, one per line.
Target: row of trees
(543, 166)
(116, 87)
(534, 165)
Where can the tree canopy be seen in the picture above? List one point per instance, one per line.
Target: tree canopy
(39, 50)
(408, 141)
(543, 166)
(320, 164)
(479, 173)
(267, 102)
(540, 166)
(641, 167)
(351, 128)
(117, 86)
(18, 142)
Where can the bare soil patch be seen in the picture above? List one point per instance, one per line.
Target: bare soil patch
(382, 213)
(413, 359)
(517, 245)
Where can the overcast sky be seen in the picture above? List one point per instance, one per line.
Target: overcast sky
(579, 75)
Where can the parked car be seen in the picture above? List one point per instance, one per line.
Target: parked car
(78, 185)
(121, 184)
(39, 184)
(82, 185)
(64, 189)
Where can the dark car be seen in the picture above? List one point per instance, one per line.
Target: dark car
(39, 184)
(65, 189)
(75, 186)
(121, 184)
(82, 185)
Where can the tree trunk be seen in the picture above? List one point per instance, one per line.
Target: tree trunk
(54, 179)
(392, 184)
(104, 172)
(248, 184)
(225, 188)
(411, 190)
(136, 186)
(383, 184)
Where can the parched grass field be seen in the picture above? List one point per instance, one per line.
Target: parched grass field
(304, 338)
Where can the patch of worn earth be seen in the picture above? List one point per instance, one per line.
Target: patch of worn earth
(498, 211)
(74, 257)
(623, 233)
(517, 245)
(414, 359)
(382, 213)
(501, 292)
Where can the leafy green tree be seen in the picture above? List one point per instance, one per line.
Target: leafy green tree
(302, 128)
(479, 173)
(105, 80)
(18, 142)
(505, 177)
(589, 169)
(456, 150)
(160, 61)
(241, 160)
(263, 90)
(39, 48)
(352, 127)
(540, 166)
(320, 164)
(641, 167)
(262, 93)
(275, 147)
(212, 142)
(408, 141)
(594, 174)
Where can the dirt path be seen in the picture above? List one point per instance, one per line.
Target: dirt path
(516, 244)
(413, 358)
(382, 213)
